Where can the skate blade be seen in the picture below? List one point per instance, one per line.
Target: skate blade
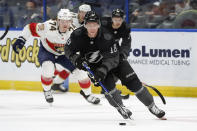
(131, 118)
(163, 118)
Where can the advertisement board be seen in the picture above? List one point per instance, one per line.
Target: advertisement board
(23, 66)
(166, 60)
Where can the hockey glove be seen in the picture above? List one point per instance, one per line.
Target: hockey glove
(93, 80)
(100, 74)
(78, 62)
(18, 44)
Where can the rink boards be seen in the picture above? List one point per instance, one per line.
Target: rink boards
(166, 60)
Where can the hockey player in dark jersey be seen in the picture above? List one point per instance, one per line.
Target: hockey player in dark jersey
(124, 71)
(98, 48)
(118, 27)
(85, 84)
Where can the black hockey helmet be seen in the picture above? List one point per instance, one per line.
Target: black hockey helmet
(91, 16)
(193, 4)
(118, 13)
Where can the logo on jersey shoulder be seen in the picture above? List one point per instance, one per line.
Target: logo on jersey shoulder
(68, 41)
(107, 36)
(93, 57)
(40, 27)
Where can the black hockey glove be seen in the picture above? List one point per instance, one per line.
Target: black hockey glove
(123, 57)
(100, 74)
(78, 62)
(18, 44)
(93, 80)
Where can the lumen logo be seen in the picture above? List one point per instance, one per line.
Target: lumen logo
(176, 53)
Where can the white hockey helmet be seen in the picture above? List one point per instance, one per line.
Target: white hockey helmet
(85, 8)
(64, 14)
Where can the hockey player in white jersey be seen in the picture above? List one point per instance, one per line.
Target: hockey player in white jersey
(54, 35)
(78, 18)
(77, 21)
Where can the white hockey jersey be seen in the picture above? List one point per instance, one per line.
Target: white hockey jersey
(52, 40)
(75, 22)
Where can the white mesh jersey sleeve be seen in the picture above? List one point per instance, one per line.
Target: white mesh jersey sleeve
(33, 29)
(75, 20)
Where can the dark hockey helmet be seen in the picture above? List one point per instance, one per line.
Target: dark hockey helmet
(193, 4)
(91, 16)
(118, 13)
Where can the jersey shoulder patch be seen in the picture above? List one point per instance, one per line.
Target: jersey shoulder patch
(72, 27)
(51, 25)
(40, 27)
(107, 36)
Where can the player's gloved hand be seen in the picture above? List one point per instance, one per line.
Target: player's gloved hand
(18, 44)
(123, 57)
(79, 62)
(93, 80)
(100, 73)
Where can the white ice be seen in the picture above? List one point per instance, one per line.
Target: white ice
(28, 111)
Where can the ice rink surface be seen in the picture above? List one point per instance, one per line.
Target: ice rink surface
(28, 111)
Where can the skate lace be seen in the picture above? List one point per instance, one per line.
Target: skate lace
(155, 110)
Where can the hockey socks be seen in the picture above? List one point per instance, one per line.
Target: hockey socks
(46, 84)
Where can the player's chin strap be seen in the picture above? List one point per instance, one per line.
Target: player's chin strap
(157, 91)
(106, 91)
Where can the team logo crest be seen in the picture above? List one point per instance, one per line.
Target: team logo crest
(59, 49)
(68, 41)
(93, 57)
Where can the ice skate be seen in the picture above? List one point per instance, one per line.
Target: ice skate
(126, 113)
(59, 87)
(157, 112)
(48, 96)
(90, 98)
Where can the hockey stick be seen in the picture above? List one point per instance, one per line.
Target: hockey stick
(106, 91)
(5, 33)
(157, 91)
